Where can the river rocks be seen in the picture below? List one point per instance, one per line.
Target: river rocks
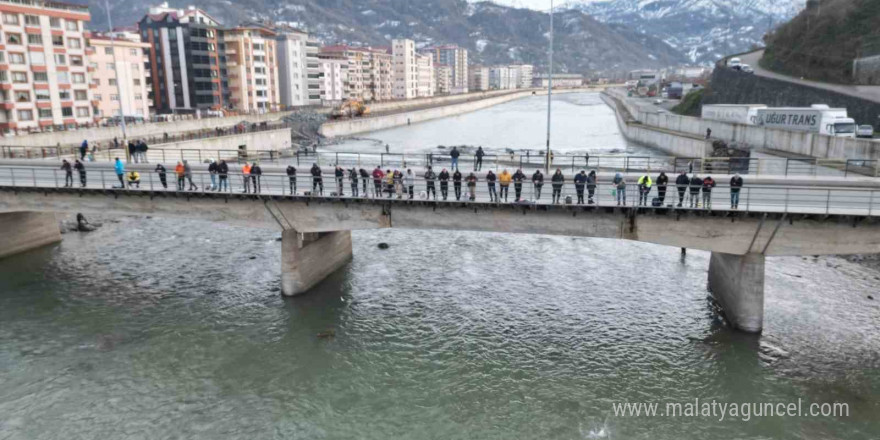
(384, 246)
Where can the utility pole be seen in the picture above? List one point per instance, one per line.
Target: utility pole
(549, 93)
(116, 71)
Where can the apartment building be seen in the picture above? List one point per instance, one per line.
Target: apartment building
(499, 78)
(118, 75)
(369, 71)
(380, 80)
(457, 59)
(405, 70)
(184, 59)
(443, 79)
(252, 68)
(525, 75)
(294, 55)
(425, 81)
(44, 78)
(478, 78)
(334, 76)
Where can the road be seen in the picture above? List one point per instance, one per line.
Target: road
(871, 93)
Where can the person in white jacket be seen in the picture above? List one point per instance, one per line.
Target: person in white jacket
(409, 180)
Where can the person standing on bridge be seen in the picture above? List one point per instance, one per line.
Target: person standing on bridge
(504, 180)
(398, 183)
(317, 179)
(478, 164)
(223, 171)
(181, 176)
(591, 186)
(353, 180)
(364, 178)
(188, 172)
(708, 133)
(212, 171)
(708, 184)
(518, 178)
(83, 149)
(246, 177)
(378, 175)
(81, 169)
(389, 183)
(132, 152)
(472, 186)
(580, 182)
(410, 181)
(645, 184)
(256, 177)
(454, 154)
(681, 183)
(558, 180)
(736, 184)
(620, 188)
(456, 184)
(340, 177)
(68, 173)
(662, 183)
(119, 167)
(291, 179)
(537, 183)
(430, 177)
(162, 177)
(695, 185)
(444, 183)
(490, 182)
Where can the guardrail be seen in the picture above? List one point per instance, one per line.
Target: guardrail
(753, 198)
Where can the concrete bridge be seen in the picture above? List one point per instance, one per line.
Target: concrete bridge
(316, 231)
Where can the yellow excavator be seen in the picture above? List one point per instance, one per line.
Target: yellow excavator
(350, 109)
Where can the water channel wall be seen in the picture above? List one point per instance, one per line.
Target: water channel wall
(753, 137)
(23, 231)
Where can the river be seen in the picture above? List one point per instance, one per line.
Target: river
(164, 328)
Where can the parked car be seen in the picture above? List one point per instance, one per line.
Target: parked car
(865, 131)
(734, 63)
(746, 68)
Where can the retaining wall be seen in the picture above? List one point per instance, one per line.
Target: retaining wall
(671, 143)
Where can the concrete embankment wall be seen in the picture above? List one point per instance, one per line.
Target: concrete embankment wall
(23, 231)
(363, 125)
(785, 141)
(260, 140)
(105, 134)
(671, 143)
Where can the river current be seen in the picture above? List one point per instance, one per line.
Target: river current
(162, 328)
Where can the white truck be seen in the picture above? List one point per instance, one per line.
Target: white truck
(745, 114)
(818, 118)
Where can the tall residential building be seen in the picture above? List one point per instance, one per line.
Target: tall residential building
(118, 76)
(184, 59)
(334, 76)
(443, 78)
(381, 80)
(478, 78)
(425, 82)
(405, 71)
(499, 78)
(457, 59)
(369, 71)
(295, 52)
(44, 78)
(525, 75)
(251, 68)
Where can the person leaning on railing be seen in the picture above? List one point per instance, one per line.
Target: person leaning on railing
(736, 184)
(708, 184)
(472, 186)
(291, 178)
(317, 179)
(223, 171)
(681, 184)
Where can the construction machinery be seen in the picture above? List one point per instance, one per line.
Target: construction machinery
(351, 108)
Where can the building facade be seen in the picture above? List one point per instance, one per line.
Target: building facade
(525, 75)
(184, 59)
(405, 70)
(443, 79)
(334, 76)
(499, 78)
(294, 55)
(369, 71)
(44, 74)
(425, 82)
(457, 59)
(478, 78)
(252, 69)
(118, 76)
(559, 80)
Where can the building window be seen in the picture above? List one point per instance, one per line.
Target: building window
(66, 112)
(45, 113)
(136, 82)
(62, 77)
(35, 39)
(79, 78)
(74, 43)
(114, 97)
(108, 51)
(60, 59)
(55, 22)
(98, 97)
(80, 95)
(57, 40)
(25, 115)
(38, 58)
(19, 77)
(76, 60)
(10, 19)
(133, 52)
(16, 58)
(72, 25)
(22, 96)
(13, 38)
(82, 112)
(112, 81)
(109, 66)
(138, 97)
(31, 20)
(42, 95)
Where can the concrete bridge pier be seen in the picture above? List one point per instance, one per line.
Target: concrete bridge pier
(308, 258)
(737, 283)
(23, 231)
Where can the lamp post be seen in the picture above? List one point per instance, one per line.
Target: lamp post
(549, 92)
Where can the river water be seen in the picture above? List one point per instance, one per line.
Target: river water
(159, 328)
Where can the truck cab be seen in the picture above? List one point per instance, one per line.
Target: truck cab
(843, 127)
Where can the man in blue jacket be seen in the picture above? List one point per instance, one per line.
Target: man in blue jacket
(119, 167)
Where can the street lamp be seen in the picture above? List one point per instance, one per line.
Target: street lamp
(549, 92)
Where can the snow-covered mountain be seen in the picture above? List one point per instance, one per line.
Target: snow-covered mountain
(704, 30)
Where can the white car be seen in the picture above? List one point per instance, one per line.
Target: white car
(746, 68)
(734, 63)
(865, 131)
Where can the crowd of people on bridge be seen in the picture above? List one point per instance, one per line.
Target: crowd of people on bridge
(693, 191)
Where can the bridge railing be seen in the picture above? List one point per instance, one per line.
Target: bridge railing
(752, 198)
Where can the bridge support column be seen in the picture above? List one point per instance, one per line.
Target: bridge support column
(23, 231)
(306, 259)
(737, 283)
